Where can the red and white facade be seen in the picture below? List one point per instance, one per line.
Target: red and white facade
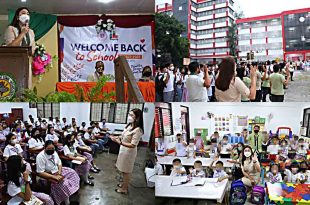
(270, 36)
(209, 22)
(164, 8)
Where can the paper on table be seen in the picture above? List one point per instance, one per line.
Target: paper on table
(76, 162)
(178, 180)
(211, 180)
(196, 181)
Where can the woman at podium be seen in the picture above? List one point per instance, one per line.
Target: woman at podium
(18, 32)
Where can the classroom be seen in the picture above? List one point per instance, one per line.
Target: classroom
(232, 153)
(75, 153)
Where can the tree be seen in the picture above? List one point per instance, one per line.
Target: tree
(232, 34)
(169, 44)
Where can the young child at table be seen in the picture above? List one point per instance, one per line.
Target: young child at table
(283, 150)
(301, 151)
(197, 171)
(274, 148)
(180, 146)
(191, 149)
(219, 171)
(293, 175)
(178, 170)
(158, 168)
(274, 176)
(225, 148)
(199, 145)
(304, 170)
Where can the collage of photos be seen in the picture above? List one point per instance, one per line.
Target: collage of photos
(154, 102)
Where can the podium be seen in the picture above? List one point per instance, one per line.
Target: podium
(15, 61)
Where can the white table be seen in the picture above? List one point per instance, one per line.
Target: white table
(206, 162)
(167, 160)
(210, 190)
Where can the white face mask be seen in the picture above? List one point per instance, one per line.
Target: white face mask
(14, 141)
(79, 137)
(191, 144)
(24, 18)
(247, 154)
(130, 119)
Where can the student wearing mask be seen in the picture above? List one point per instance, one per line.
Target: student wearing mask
(28, 132)
(199, 145)
(301, 152)
(177, 170)
(169, 89)
(36, 142)
(197, 84)
(19, 183)
(51, 135)
(265, 84)
(83, 168)
(180, 146)
(64, 181)
(2, 138)
(128, 142)
(305, 171)
(228, 88)
(219, 171)
(241, 73)
(191, 149)
(83, 127)
(146, 74)
(250, 167)
(90, 140)
(161, 80)
(224, 148)
(197, 171)
(274, 176)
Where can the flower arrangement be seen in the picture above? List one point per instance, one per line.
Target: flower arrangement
(41, 60)
(107, 25)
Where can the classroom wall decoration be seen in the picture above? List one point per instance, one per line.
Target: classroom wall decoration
(222, 123)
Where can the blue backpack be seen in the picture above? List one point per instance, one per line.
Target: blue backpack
(237, 194)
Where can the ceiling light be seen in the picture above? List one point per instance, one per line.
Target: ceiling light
(291, 29)
(23, 0)
(105, 1)
(302, 19)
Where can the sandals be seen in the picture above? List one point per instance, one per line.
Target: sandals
(119, 185)
(121, 192)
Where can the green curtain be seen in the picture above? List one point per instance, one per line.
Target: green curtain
(39, 23)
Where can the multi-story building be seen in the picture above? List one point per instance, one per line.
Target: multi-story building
(207, 23)
(285, 35)
(164, 8)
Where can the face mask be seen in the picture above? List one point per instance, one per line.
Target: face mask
(247, 154)
(218, 170)
(224, 142)
(176, 167)
(256, 131)
(239, 148)
(23, 168)
(274, 171)
(79, 137)
(198, 169)
(52, 132)
(18, 129)
(302, 169)
(49, 152)
(130, 119)
(13, 142)
(24, 18)
(191, 144)
(172, 68)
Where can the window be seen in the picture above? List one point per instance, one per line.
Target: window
(46, 110)
(163, 117)
(112, 112)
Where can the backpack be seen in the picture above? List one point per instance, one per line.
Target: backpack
(159, 83)
(237, 194)
(258, 195)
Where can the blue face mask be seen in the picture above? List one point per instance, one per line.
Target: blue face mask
(218, 170)
(18, 129)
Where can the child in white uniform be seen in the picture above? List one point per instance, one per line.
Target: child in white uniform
(177, 170)
(191, 149)
(219, 171)
(197, 171)
(180, 146)
(274, 176)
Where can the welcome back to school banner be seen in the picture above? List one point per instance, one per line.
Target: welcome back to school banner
(81, 47)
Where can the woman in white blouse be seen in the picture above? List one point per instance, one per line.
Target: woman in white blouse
(36, 142)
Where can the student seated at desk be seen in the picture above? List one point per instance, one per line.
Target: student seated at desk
(191, 149)
(293, 175)
(92, 141)
(180, 146)
(177, 169)
(224, 147)
(283, 150)
(158, 168)
(51, 135)
(219, 171)
(294, 143)
(36, 142)
(197, 171)
(274, 176)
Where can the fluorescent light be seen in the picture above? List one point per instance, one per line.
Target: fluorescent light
(23, 0)
(105, 1)
(291, 29)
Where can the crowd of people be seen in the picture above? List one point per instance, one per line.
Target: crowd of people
(62, 155)
(227, 81)
(283, 159)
